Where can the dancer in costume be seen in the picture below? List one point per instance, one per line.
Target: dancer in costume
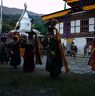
(29, 46)
(15, 52)
(3, 51)
(54, 58)
(92, 59)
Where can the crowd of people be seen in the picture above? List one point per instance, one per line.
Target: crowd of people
(14, 46)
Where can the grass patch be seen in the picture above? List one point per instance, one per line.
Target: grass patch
(17, 83)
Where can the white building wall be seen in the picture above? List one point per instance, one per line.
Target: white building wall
(79, 42)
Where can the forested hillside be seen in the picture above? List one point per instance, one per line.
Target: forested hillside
(11, 16)
(9, 22)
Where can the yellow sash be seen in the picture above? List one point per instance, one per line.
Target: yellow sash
(58, 37)
(22, 50)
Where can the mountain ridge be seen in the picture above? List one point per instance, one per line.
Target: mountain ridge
(14, 11)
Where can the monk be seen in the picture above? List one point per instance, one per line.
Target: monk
(29, 46)
(92, 63)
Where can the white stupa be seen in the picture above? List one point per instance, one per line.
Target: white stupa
(24, 23)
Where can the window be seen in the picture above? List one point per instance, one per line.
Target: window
(72, 26)
(84, 25)
(61, 28)
(75, 26)
(91, 24)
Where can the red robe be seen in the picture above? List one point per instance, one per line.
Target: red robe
(93, 59)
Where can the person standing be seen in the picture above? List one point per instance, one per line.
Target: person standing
(15, 53)
(54, 58)
(29, 46)
(4, 58)
(73, 50)
(89, 49)
(92, 58)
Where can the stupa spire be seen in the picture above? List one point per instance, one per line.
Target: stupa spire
(25, 5)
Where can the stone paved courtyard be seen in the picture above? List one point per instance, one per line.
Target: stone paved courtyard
(77, 65)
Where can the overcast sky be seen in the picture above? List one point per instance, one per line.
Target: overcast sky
(37, 6)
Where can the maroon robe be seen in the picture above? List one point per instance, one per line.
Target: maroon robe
(29, 65)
